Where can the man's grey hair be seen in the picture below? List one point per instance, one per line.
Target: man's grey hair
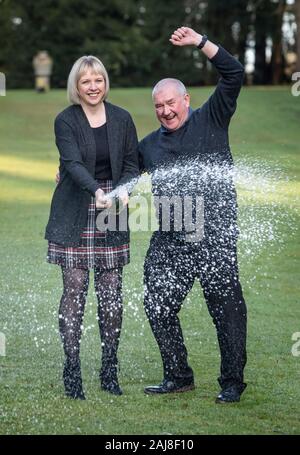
(180, 87)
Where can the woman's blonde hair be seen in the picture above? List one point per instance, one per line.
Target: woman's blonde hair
(78, 69)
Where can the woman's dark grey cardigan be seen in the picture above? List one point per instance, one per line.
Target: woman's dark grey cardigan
(77, 149)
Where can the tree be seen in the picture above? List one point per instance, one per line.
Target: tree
(262, 15)
(131, 37)
(68, 29)
(277, 61)
(8, 32)
(160, 59)
(268, 18)
(228, 23)
(297, 13)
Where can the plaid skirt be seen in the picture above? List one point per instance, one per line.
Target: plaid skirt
(91, 251)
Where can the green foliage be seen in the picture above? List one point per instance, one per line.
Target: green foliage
(68, 29)
(132, 37)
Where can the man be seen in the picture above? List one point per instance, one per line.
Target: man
(172, 264)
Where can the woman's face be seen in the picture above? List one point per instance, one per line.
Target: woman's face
(91, 88)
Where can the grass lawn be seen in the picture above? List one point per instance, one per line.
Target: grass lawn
(265, 134)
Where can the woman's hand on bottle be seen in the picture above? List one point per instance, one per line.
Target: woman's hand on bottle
(123, 196)
(101, 200)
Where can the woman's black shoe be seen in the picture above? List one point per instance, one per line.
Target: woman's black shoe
(112, 387)
(73, 381)
(76, 394)
(109, 374)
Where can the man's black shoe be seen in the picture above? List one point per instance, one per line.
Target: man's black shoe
(168, 387)
(231, 394)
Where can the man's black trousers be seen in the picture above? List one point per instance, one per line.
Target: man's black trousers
(170, 270)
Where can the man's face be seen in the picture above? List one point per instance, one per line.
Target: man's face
(171, 107)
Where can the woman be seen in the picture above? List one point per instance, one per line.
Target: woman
(97, 144)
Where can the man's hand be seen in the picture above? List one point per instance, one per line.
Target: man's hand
(185, 36)
(101, 200)
(57, 177)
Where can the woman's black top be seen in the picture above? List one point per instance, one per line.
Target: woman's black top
(103, 166)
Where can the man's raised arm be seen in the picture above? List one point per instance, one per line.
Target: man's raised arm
(185, 36)
(222, 103)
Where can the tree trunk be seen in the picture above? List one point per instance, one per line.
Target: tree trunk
(277, 54)
(260, 67)
(297, 11)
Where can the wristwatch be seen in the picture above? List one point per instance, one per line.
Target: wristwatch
(202, 42)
